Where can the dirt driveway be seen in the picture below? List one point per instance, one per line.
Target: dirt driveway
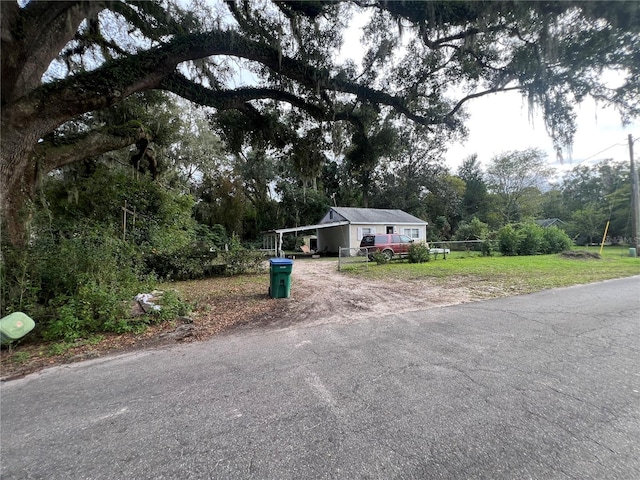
(322, 294)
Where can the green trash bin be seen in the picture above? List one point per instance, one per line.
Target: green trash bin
(15, 326)
(280, 281)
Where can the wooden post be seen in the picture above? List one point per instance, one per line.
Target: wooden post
(124, 221)
(125, 210)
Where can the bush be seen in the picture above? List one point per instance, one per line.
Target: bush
(473, 230)
(239, 260)
(77, 274)
(508, 240)
(380, 258)
(555, 240)
(530, 239)
(188, 263)
(92, 309)
(83, 283)
(419, 253)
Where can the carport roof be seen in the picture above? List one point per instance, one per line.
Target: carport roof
(311, 227)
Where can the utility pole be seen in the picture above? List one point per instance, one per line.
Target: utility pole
(635, 199)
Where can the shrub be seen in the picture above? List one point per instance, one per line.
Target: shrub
(92, 309)
(79, 271)
(473, 230)
(508, 240)
(83, 282)
(419, 253)
(556, 240)
(239, 260)
(530, 239)
(184, 264)
(380, 258)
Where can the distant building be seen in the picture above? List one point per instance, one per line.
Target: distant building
(550, 222)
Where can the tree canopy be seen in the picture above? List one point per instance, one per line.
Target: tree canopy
(274, 74)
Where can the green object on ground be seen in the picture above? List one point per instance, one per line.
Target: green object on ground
(15, 326)
(280, 277)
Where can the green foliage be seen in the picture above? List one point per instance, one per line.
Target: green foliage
(292, 242)
(20, 357)
(380, 258)
(532, 239)
(419, 253)
(487, 248)
(172, 306)
(78, 274)
(588, 223)
(187, 263)
(240, 260)
(516, 178)
(472, 230)
(475, 198)
(555, 240)
(210, 237)
(508, 240)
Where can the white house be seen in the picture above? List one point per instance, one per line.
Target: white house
(343, 227)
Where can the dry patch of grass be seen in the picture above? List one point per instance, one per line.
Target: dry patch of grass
(222, 303)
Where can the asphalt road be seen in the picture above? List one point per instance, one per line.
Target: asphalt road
(539, 386)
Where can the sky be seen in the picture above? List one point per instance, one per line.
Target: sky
(501, 122)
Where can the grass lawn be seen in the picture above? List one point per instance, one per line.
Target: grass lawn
(528, 273)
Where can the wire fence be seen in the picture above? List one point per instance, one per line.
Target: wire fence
(443, 248)
(355, 258)
(352, 258)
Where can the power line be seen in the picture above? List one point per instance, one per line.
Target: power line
(602, 151)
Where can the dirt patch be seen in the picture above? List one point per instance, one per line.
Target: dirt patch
(319, 294)
(581, 255)
(322, 294)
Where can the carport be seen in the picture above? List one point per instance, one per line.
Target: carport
(331, 236)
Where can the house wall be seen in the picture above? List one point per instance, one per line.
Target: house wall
(355, 233)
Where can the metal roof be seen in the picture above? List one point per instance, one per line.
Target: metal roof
(310, 227)
(376, 215)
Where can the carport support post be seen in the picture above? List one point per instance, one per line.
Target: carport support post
(280, 253)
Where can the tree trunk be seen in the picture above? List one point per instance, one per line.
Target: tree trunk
(21, 164)
(18, 175)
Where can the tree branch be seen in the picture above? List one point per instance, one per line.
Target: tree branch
(442, 42)
(471, 96)
(147, 70)
(37, 33)
(91, 144)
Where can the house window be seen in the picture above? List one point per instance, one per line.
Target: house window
(330, 214)
(412, 232)
(362, 231)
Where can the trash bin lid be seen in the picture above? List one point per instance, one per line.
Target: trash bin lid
(281, 261)
(15, 326)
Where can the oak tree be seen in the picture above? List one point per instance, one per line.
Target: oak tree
(423, 62)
